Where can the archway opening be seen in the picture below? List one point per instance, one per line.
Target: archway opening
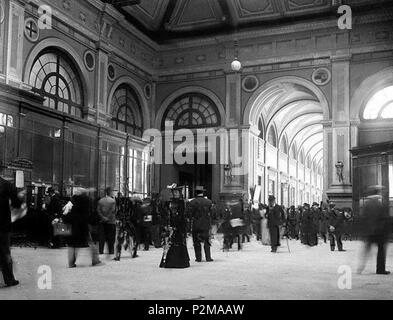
(291, 165)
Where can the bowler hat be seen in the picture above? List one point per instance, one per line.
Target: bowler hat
(272, 198)
(199, 189)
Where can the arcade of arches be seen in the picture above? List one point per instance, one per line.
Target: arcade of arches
(316, 102)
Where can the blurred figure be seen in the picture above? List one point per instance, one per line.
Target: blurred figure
(107, 211)
(8, 195)
(78, 217)
(125, 230)
(53, 209)
(375, 227)
(274, 215)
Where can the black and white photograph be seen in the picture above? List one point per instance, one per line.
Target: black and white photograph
(212, 152)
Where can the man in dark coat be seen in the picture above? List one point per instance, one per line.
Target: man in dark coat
(336, 225)
(323, 223)
(274, 214)
(376, 229)
(8, 194)
(200, 211)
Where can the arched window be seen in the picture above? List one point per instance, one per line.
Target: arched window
(380, 106)
(260, 128)
(309, 164)
(272, 137)
(192, 111)
(55, 77)
(284, 145)
(301, 157)
(126, 111)
(293, 152)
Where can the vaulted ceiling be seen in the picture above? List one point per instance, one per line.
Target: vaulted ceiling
(167, 19)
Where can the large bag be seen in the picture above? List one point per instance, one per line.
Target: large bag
(62, 229)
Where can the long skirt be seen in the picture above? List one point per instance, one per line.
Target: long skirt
(265, 233)
(177, 257)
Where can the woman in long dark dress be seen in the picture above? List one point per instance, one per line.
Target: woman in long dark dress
(175, 253)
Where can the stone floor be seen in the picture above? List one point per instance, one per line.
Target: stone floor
(253, 273)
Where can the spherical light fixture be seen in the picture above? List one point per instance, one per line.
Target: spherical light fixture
(236, 65)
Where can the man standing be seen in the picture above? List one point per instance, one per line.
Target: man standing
(200, 211)
(336, 224)
(274, 214)
(8, 195)
(107, 212)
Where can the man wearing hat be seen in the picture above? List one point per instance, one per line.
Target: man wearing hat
(308, 222)
(274, 214)
(200, 211)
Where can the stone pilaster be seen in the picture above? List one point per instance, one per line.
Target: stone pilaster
(101, 84)
(14, 43)
(233, 99)
(338, 137)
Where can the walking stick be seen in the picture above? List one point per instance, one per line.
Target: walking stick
(289, 250)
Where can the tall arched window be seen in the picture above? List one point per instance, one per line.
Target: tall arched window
(55, 77)
(272, 137)
(126, 111)
(192, 111)
(260, 128)
(309, 164)
(301, 157)
(380, 106)
(293, 152)
(284, 145)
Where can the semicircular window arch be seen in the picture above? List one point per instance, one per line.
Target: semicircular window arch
(55, 77)
(192, 111)
(380, 105)
(126, 111)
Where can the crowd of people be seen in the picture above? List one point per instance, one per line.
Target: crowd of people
(307, 223)
(167, 219)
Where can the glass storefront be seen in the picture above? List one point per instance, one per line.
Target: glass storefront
(373, 170)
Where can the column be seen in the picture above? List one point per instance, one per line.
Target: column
(339, 136)
(14, 43)
(101, 85)
(3, 46)
(233, 99)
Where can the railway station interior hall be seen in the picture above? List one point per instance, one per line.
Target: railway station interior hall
(315, 101)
